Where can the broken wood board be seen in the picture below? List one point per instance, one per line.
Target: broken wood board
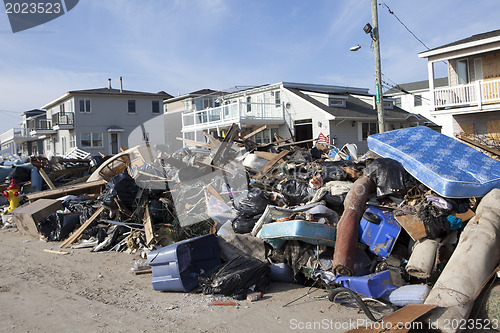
(148, 227)
(295, 143)
(271, 163)
(55, 252)
(72, 238)
(46, 178)
(26, 217)
(265, 154)
(413, 226)
(258, 130)
(399, 321)
(80, 188)
(464, 216)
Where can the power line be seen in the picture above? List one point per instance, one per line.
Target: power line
(404, 25)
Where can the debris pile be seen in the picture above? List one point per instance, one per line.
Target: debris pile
(397, 225)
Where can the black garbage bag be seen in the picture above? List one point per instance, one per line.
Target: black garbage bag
(333, 170)
(121, 187)
(434, 218)
(300, 156)
(295, 192)
(390, 176)
(58, 226)
(19, 174)
(243, 225)
(254, 203)
(235, 277)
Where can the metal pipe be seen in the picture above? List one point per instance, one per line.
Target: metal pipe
(348, 226)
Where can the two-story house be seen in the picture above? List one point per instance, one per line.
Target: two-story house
(22, 141)
(415, 97)
(99, 120)
(304, 111)
(471, 100)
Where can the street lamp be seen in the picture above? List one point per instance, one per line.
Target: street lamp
(374, 34)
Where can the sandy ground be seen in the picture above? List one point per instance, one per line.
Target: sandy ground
(98, 292)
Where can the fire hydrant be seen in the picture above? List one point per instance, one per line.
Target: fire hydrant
(12, 194)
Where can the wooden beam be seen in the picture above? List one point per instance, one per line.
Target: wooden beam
(258, 130)
(55, 252)
(213, 192)
(72, 238)
(275, 160)
(148, 227)
(79, 188)
(295, 143)
(265, 154)
(46, 178)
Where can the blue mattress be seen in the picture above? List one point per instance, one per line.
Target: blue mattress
(445, 165)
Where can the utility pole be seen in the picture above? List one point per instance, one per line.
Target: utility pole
(379, 101)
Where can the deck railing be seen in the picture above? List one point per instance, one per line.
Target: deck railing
(471, 94)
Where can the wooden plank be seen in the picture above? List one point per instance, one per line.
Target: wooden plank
(148, 227)
(87, 187)
(258, 130)
(265, 154)
(72, 238)
(26, 217)
(46, 178)
(275, 160)
(295, 143)
(413, 226)
(213, 192)
(55, 252)
(194, 143)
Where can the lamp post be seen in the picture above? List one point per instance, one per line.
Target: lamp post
(374, 33)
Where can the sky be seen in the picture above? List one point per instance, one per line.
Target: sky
(180, 46)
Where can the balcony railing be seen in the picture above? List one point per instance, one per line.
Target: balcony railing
(12, 134)
(472, 94)
(65, 118)
(39, 124)
(230, 113)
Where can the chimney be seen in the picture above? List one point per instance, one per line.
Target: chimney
(121, 84)
(109, 83)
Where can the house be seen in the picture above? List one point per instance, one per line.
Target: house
(23, 141)
(471, 100)
(415, 97)
(304, 111)
(100, 120)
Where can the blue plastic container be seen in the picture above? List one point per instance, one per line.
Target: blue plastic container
(379, 230)
(375, 285)
(177, 266)
(278, 233)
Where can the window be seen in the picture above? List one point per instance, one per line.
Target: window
(388, 105)
(277, 98)
(156, 106)
(131, 106)
(91, 140)
(61, 108)
(84, 105)
(335, 102)
(417, 100)
(70, 106)
(462, 72)
(47, 144)
(397, 102)
(368, 129)
(207, 103)
(72, 140)
(249, 105)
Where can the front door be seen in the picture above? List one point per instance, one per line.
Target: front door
(114, 143)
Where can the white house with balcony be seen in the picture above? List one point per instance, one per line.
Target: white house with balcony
(303, 111)
(471, 100)
(100, 120)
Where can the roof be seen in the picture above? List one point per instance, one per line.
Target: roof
(198, 93)
(34, 112)
(415, 86)
(356, 108)
(103, 91)
(474, 40)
